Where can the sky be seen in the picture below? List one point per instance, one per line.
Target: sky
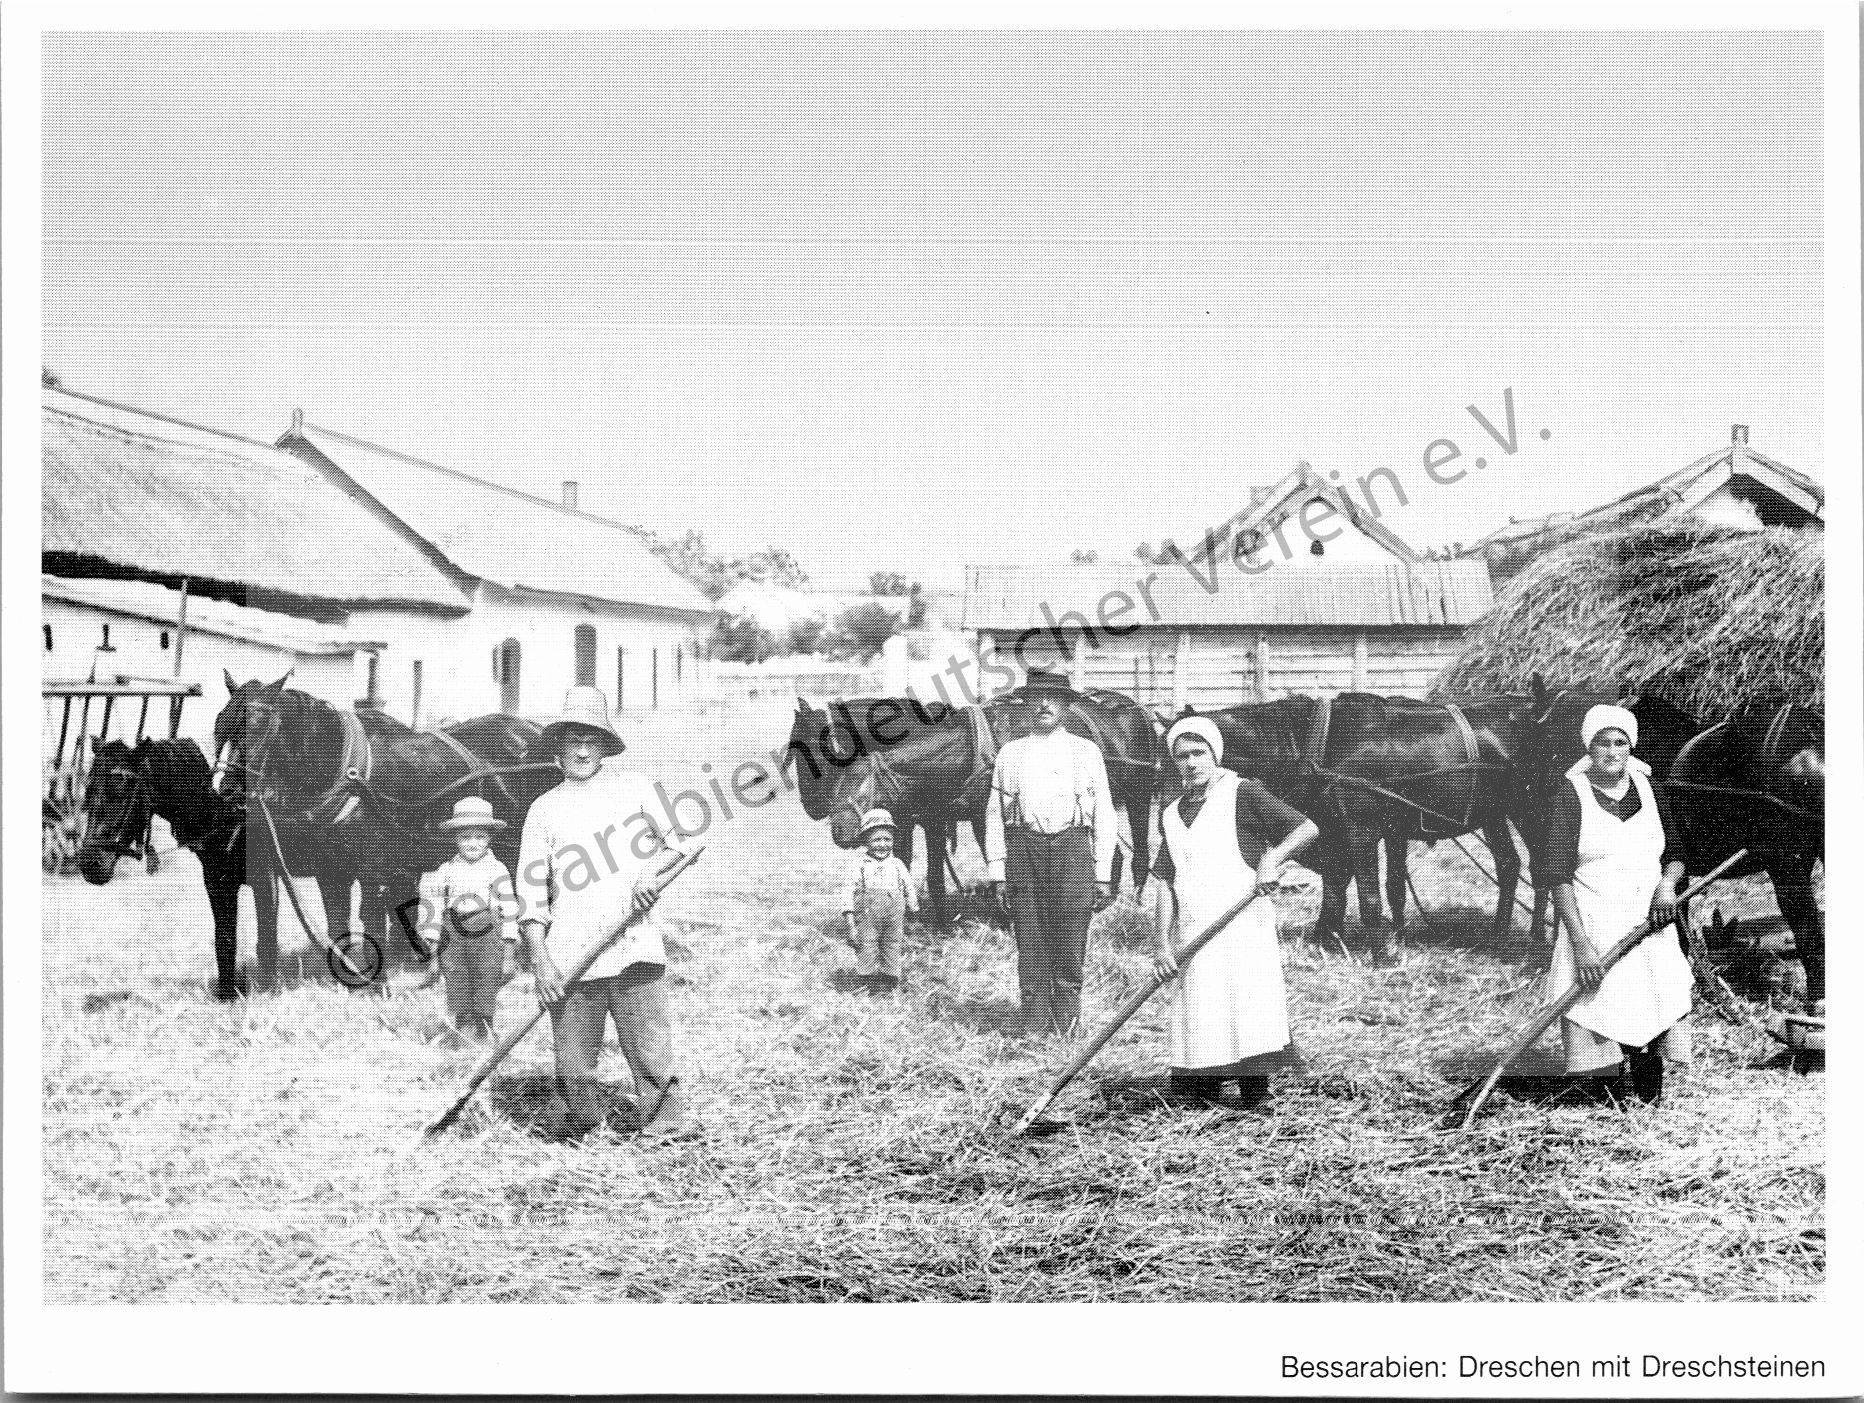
(911, 301)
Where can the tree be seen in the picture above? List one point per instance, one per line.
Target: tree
(889, 582)
(690, 556)
(805, 634)
(860, 631)
(1084, 557)
(742, 639)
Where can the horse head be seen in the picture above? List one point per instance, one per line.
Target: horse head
(858, 785)
(803, 753)
(118, 805)
(262, 734)
(247, 726)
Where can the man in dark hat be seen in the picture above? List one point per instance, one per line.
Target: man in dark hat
(1049, 842)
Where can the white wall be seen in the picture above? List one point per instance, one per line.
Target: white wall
(77, 631)
(456, 655)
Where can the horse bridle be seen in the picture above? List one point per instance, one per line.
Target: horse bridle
(123, 844)
(253, 755)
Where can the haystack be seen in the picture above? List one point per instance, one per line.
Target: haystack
(1712, 620)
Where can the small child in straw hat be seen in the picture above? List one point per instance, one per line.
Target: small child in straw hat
(477, 905)
(878, 896)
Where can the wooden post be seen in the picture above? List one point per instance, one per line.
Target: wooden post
(181, 626)
(1359, 660)
(1181, 668)
(1262, 666)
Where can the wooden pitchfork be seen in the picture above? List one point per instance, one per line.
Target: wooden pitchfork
(1130, 1007)
(577, 971)
(1541, 1022)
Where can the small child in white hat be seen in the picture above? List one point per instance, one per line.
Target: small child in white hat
(472, 892)
(878, 896)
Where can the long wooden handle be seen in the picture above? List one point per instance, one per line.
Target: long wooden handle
(1128, 1008)
(511, 1040)
(1541, 1022)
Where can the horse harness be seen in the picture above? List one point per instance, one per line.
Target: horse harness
(342, 800)
(1770, 760)
(1314, 752)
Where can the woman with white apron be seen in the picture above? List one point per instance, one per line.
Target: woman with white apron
(1613, 863)
(1225, 835)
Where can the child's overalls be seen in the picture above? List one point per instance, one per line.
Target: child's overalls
(880, 921)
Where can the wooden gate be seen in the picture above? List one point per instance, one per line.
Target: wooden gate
(66, 762)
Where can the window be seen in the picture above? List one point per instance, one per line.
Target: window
(585, 655)
(164, 640)
(506, 661)
(48, 636)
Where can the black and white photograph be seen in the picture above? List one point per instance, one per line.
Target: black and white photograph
(802, 659)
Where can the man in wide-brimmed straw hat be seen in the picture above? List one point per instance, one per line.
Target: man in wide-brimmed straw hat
(589, 857)
(1049, 842)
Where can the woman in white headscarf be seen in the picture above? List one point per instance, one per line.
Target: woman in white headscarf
(1613, 862)
(1224, 835)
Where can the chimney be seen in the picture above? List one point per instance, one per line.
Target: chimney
(1738, 433)
(569, 494)
(297, 423)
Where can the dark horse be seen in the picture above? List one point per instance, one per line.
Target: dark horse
(1755, 780)
(930, 765)
(1375, 768)
(348, 803)
(170, 779)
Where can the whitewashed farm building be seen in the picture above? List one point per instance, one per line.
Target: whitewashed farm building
(170, 551)
(556, 595)
(384, 581)
(1273, 609)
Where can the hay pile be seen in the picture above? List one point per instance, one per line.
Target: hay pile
(1711, 620)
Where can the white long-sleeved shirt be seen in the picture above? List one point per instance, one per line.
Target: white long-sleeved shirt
(585, 844)
(1048, 784)
(485, 885)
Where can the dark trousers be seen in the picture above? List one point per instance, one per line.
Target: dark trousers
(1049, 883)
(637, 1000)
(474, 967)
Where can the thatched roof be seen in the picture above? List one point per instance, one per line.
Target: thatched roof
(134, 495)
(1712, 620)
(500, 534)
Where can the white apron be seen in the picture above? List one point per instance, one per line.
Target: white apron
(1650, 989)
(1228, 1003)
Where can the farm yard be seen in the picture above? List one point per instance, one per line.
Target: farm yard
(854, 1147)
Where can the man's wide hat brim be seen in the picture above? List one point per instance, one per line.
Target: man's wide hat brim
(1039, 681)
(554, 735)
